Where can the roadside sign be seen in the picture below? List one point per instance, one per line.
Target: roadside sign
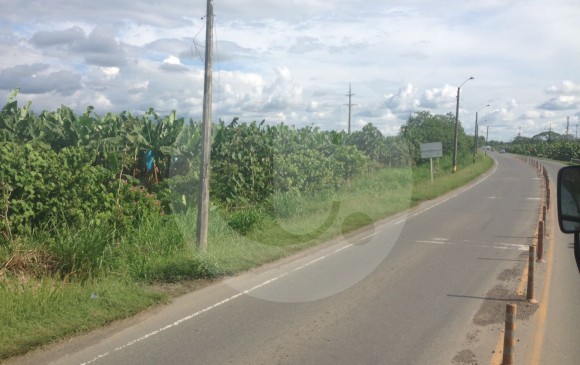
(431, 150)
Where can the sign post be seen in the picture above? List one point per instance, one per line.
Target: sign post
(430, 150)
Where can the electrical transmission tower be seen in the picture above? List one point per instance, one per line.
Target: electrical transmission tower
(350, 104)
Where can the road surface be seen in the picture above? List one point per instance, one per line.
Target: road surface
(425, 287)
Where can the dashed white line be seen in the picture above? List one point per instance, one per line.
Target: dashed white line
(436, 242)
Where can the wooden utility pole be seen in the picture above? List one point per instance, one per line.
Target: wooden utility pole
(203, 199)
(350, 104)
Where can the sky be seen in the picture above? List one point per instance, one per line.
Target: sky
(292, 61)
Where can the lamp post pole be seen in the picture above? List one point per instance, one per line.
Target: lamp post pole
(486, 138)
(457, 125)
(476, 134)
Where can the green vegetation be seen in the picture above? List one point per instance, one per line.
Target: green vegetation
(36, 311)
(550, 144)
(95, 211)
(556, 150)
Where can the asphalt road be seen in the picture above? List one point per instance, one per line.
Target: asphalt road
(425, 287)
(557, 326)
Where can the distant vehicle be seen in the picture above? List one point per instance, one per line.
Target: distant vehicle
(502, 150)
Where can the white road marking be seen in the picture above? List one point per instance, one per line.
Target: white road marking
(436, 242)
(207, 309)
(342, 248)
(451, 197)
(511, 247)
(498, 245)
(369, 236)
(426, 209)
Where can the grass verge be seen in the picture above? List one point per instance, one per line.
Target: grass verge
(34, 312)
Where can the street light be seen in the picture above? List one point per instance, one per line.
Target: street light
(457, 125)
(476, 133)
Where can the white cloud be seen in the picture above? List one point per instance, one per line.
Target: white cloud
(110, 72)
(37, 78)
(291, 60)
(537, 114)
(562, 102)
(402, 101)
(566, 87)
(172, 60)
(437, 98)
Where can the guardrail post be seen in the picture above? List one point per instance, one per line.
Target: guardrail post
(509, 339)
(548, 197)
(540, 253)
(544, 213)
(531, 270)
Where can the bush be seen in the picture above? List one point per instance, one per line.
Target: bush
(39, 185)
(245, 220)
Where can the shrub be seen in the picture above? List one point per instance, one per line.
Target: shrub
(40, 185)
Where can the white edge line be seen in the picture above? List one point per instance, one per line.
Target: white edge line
(342, 248)
(365, 237)
(207, 309)
(451, 197)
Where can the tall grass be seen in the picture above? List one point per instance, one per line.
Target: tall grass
(36, 311)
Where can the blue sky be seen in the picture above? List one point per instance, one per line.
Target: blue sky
(292, 61)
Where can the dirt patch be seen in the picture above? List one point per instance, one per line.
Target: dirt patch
(509, 274)
(492, 310)
(472, 337)
(465, 357)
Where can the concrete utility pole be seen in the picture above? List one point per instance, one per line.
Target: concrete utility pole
(204, 173)
(486, 139)
(567, 126)
(350, 104)
(476, 133)
(457, 125)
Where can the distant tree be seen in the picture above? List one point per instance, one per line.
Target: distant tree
(370, 141)
(523, 140)
(425, 127)
(548, 136)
